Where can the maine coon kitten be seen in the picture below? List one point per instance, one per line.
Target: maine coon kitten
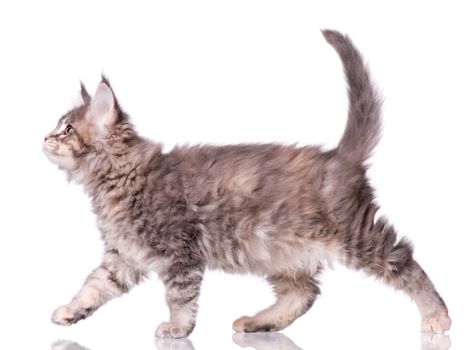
(273, 210)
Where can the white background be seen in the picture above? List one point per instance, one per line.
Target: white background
(226, 72)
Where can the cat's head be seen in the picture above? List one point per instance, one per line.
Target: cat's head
(98, 127)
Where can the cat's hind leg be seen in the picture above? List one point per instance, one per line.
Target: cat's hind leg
(382, 255)
(413, 280)
(295, 295)
(433, 310)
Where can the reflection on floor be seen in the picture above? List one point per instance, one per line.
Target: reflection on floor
(258, 341)
(430, 341)
(66, 345)
(264, 341)
(173, 344)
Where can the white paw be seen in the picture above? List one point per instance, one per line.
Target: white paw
(239, 324)
(438, 323)
(69, 314)
(63, 316)
(171, 330)
(254, 324)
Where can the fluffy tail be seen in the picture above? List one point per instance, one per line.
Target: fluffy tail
(363, 124)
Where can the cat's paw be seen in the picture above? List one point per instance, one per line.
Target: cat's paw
(438, 323)
(67, 315)
(171, 330)
(239, 324)
(247, 324)
(63, 316)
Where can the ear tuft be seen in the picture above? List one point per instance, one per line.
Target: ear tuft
(105, 80)
(86, 98)
(102, 108)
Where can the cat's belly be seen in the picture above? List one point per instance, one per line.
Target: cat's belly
(264, 256)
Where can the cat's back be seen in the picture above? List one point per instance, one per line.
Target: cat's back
(249, 168)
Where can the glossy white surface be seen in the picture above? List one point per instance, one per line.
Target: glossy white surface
(225, 72)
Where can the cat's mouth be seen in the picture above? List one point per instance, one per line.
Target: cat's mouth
(52, 150)
(49, 149)
(50, 146)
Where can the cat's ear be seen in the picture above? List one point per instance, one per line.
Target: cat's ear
(85, 97)
(102, 107)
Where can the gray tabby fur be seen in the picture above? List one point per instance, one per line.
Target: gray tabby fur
(277, 211)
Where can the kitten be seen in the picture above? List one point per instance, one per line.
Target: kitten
(273, 210)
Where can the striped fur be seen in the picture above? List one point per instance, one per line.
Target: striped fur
(281, 212)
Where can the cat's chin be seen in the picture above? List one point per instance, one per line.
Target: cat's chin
(63, 162)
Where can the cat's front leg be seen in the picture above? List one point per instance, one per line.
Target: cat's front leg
(182, 281)
(111, 279)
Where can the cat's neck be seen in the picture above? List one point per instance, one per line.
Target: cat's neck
(107, 168)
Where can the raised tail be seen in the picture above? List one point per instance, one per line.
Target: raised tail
(363, 126)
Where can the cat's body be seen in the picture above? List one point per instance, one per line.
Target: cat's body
(281, 212)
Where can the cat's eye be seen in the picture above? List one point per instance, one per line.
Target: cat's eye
(67, 130)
